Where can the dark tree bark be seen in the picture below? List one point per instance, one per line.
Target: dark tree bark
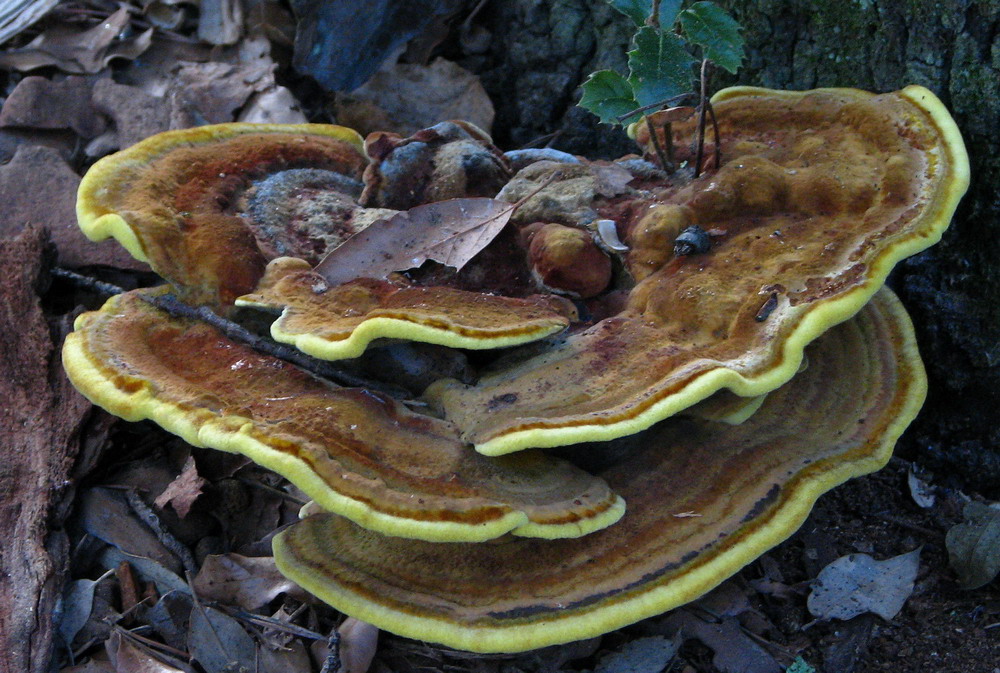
(40, 419)
(543, 50)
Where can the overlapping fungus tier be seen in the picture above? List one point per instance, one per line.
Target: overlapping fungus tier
(177, 200)
(704, 499)
(819, 195)
(354, 451)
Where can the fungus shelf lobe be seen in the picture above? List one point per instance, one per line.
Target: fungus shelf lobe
(334, 323)
(183, 200)
(355, 452)
(820, 194)
(750, 486)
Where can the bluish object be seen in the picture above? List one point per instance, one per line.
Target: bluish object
(341, 43)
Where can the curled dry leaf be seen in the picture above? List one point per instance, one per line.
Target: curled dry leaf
(921, 490)
(857, 583)
(974, 545)
(182, 491)
(450, 232)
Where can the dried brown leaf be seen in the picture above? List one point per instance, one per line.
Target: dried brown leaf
(106, 515)
(182, 491)
(72, 51)
(41, 103)
(244, 581)
(450, 232)
(129, 658)
(38, 187)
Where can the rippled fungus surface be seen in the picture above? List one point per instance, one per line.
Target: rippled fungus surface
(688, 383)
(751, 486)
(819, 195)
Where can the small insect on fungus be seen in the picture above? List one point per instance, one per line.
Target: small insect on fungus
(692, 241)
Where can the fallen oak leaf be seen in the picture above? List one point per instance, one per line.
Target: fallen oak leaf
(974, 545)
(451, 232)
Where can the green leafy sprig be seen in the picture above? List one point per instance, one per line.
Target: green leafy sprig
(661, 63)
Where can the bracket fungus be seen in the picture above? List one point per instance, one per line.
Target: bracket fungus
(751, 486)
(819, 195)
(339, 322)
(354, 451)
(196, 203)
(688, 389)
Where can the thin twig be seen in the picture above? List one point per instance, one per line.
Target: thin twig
(654, 15)
(665, 163)
(332, 664)
(660, 103)
(87, 282)
(272, 623)
(150, 518)
(544, 141)
(180, 654)
(718, 139)
(253, 483)
(178, 309)
(702, 109)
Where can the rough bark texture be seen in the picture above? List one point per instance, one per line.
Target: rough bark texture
(40, 419)
(543, 50)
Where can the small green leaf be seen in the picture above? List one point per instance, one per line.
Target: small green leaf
(660, 66)
(709, 26)
(607, 94)
(669, 9)
(974, 545)
(800, 666)
(637, 10)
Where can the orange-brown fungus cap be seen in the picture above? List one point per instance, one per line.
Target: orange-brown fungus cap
(197, 203)
(339, 322)
(820, 193)
(704, 499)
(355, 452)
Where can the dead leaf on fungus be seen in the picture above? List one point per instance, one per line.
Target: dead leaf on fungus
(450, 232)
